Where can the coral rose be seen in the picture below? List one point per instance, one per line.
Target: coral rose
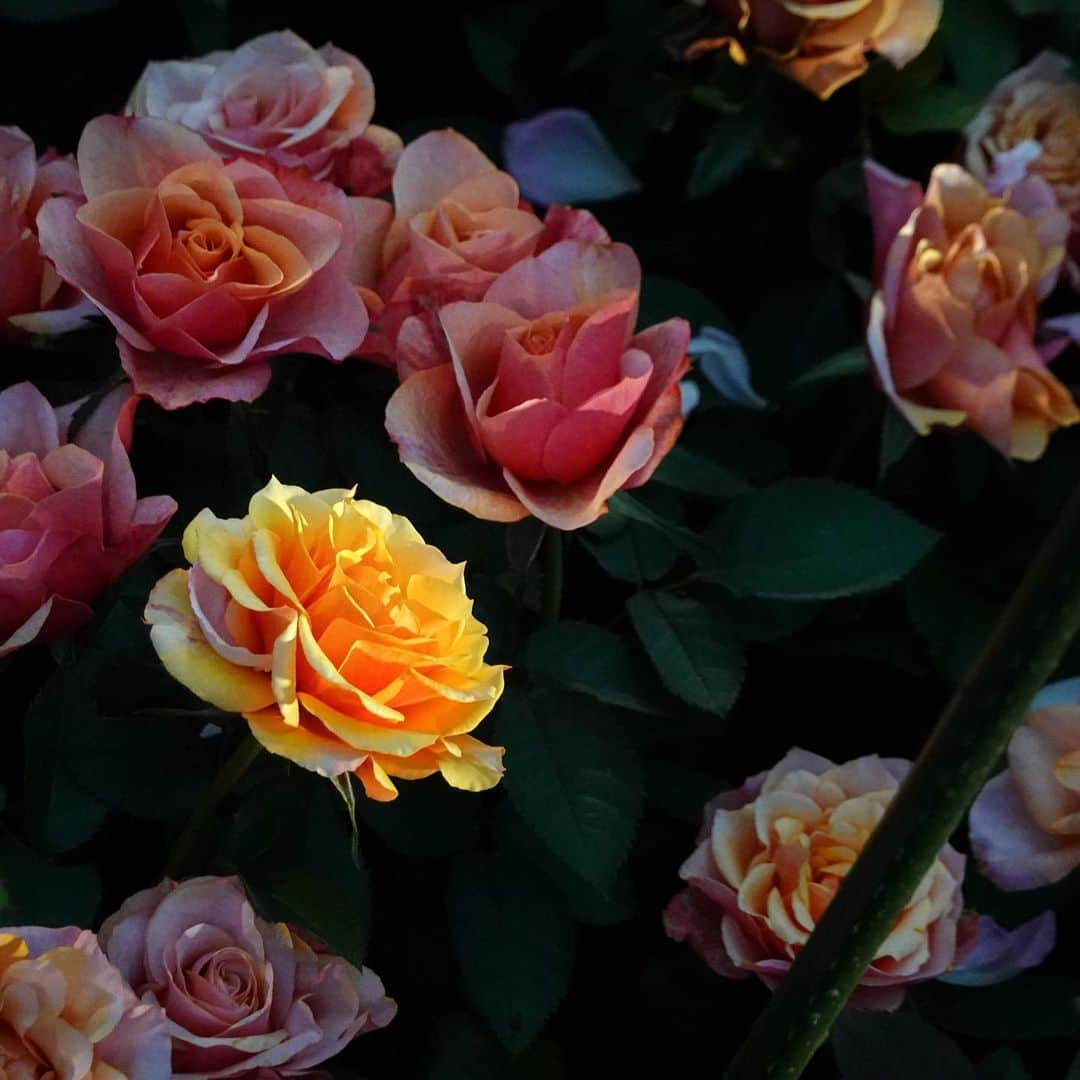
(206, 270)
(240, 994)
(65, 1011)
(33, 299)
(70, 523)
(551, 403)
(958, 273)
(822, 44)
(773, 854)
(347, 642)
(1030, 125)
(278, 98)
(1025, 824)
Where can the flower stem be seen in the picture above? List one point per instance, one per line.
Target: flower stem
(1026, 646)
(238, 763)
(553, 575)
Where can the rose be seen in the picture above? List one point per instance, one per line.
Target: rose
(65, 1011)
(206, 270)
(1030, 125)
(278, 98)
(959, 273)
(33, 299)
(822, 44)
(347, 642)
(239, 994)
(69, 520)
(773, 854)
(551, 404)
(1025, 823)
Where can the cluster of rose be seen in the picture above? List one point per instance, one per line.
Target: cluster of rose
(238, 212)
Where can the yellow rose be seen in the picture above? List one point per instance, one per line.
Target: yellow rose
(347, 643)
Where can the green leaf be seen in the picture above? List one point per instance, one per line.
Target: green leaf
(686, 471)
(593, 661)
(1003, 1065)
(665, 298)
(895, 1046)
(937, 108)
(35, 890)
(692, 646)
(573, 777)
(841, 365)
(730, 147)
(495, 38)
(1035, 1005)
(425, 820)
(514, 943)
(897, 437)
(814, 539)
(982, 42)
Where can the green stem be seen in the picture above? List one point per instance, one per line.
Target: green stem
(238, 763)
(553, 575)
(1021, 654)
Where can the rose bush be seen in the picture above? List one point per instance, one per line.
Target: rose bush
(239, 994)
(65, 1011)
(205, 269)
(70, 522)
(348, 644)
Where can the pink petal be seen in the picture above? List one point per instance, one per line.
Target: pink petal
(892, 201)
(27, 421)
(433, 165)
(516, 439)
(175, 382)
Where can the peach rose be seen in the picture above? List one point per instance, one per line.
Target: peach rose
(772, 856)
(822, 44)
(551, 403)
(347, 642)
(959, 273)
(1025, 824)
(239, 994)
(33, 299)
(1030, 126)
(206, 270)
(66, 1012)
(278, 98)
(70, 523)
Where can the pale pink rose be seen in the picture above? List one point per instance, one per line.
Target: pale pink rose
(773, 854)
(1025, 824)
(207, 270)
(278, 98)
(66, 1012)
(958, 274)
(70, 523)
(33, 299)
(551, 403)
(1030, 125)
(240, 994)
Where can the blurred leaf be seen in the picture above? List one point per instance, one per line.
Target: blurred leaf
(757, 618)
(679, 790)
(426, 819)
(816, 539)
(74, 816)
(937, 108)
(1074, 1069)
(894, 1046)
(695, 474)
(52, 10)
(665, 298)
(495, 37)
(34, 890)
(841, 365)
(692, 646)
(1003, 1065)
(981, 41)
(897, 436)
(730, 147)
(594, 661)
(514, 944)
(722, 361)
(1036, 1005)
(465, 1051)
(207, 24)
(573, 777)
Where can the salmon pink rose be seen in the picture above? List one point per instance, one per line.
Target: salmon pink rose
(347, 643)
(822, 44)
(65, 1011)
(33, 298)
(278, 99)
(206, 270)
(1025, 824)
(551, 403)
(773, 854)
(958, 275)
(239, 994)
(70, 523)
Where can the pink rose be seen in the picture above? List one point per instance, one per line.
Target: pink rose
(1025, 824)
(959, 273)
(240, 994)
(70, 523)
(206, 270)
(66, 1012)
(278, 98)
(551, 403)
(33, 299)
(773, 854)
